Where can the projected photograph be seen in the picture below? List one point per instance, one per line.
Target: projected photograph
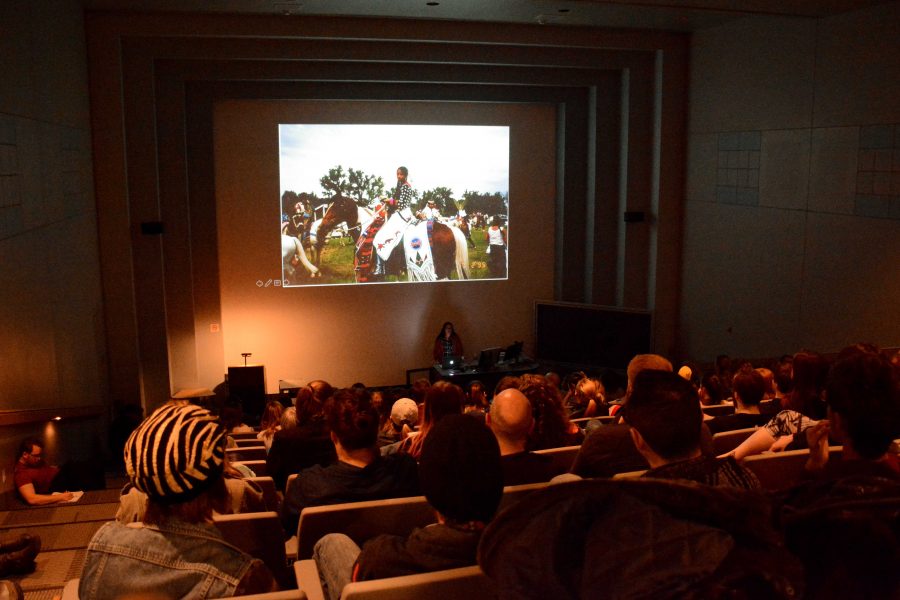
(365, 204)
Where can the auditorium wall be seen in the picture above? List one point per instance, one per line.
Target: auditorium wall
(52, 337)
(792, 219)
(608, 109)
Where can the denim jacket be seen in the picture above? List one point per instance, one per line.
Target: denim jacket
(177, 559)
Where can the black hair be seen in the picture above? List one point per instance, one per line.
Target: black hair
(864, 389)
(27, 444)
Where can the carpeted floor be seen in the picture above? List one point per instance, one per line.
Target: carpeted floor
(65, 532)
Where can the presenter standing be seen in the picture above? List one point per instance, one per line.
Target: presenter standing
(447, 343)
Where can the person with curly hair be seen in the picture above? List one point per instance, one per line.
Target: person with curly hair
(552, 428)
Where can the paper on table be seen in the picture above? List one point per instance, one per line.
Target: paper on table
(76, 496)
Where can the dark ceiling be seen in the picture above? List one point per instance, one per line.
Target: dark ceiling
(671, 15)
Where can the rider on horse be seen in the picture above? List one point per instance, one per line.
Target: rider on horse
(385, 232)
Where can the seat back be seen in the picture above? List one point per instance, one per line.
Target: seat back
(717, 410)
(245, 453)
(583, 421)
(726, 441)
(260, 535)
(257, 466)
(244, 435)
(779, 470)
(282, 595)
(466, 582)
(361, 520)
(247, 442)
(364, 520)
(563, 457)
(629, 474)
(270, 494)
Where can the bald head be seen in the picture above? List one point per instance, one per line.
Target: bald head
(510, 417)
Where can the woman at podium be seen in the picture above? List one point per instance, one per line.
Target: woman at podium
(447, 343)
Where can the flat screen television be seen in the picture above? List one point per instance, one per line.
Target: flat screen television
(589, 335)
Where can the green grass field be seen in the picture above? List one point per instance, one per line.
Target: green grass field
(337, 262)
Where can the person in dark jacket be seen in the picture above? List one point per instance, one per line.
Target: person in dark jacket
(663, 411)
(360, 473)
(461, 477)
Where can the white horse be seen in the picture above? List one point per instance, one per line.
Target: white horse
(292, 255)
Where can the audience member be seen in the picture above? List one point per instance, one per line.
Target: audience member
(768, 382)
(443, 399)
(664, 413)
(17, 554)
(748, 388)
(638, 538)
(511, 421)
(863, 396)
(176, 458)
(306, 444)
(270, 423)
(476, 400)
(232, 417)
(506, 382)
(552, 428)
(244, 496)
(553, 379)
(419, 388)
(38, 483)
(711, 389)
(586, 399)
(724, 370)
(403, 419)
(843, 524)
(461, 478)
(609, 449)
(803, 407)
(360, 473)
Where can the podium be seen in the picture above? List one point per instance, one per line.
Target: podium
(247, 385)
(488, 376)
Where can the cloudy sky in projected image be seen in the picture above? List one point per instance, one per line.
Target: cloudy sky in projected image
(460, 157)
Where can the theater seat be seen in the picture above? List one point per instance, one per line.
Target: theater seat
(726, 441)
(469, 583)
(779, 470)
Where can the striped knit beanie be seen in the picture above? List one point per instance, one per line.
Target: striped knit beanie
(176, 453)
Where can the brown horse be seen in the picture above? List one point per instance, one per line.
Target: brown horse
(341, 210)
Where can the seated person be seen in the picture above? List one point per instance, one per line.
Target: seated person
(403, 419)
(609, 450)
(360, 473)
(552, 429)
(664, 413)
(303, 440)
(843, 523)
(38, 483)
(461, 478)
(244, 496)
(511, 422)
(863, 395)
(586, 399)
(176, 458)
(748, 388)
(17, 555)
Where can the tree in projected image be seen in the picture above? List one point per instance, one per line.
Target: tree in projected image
(356, 184)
